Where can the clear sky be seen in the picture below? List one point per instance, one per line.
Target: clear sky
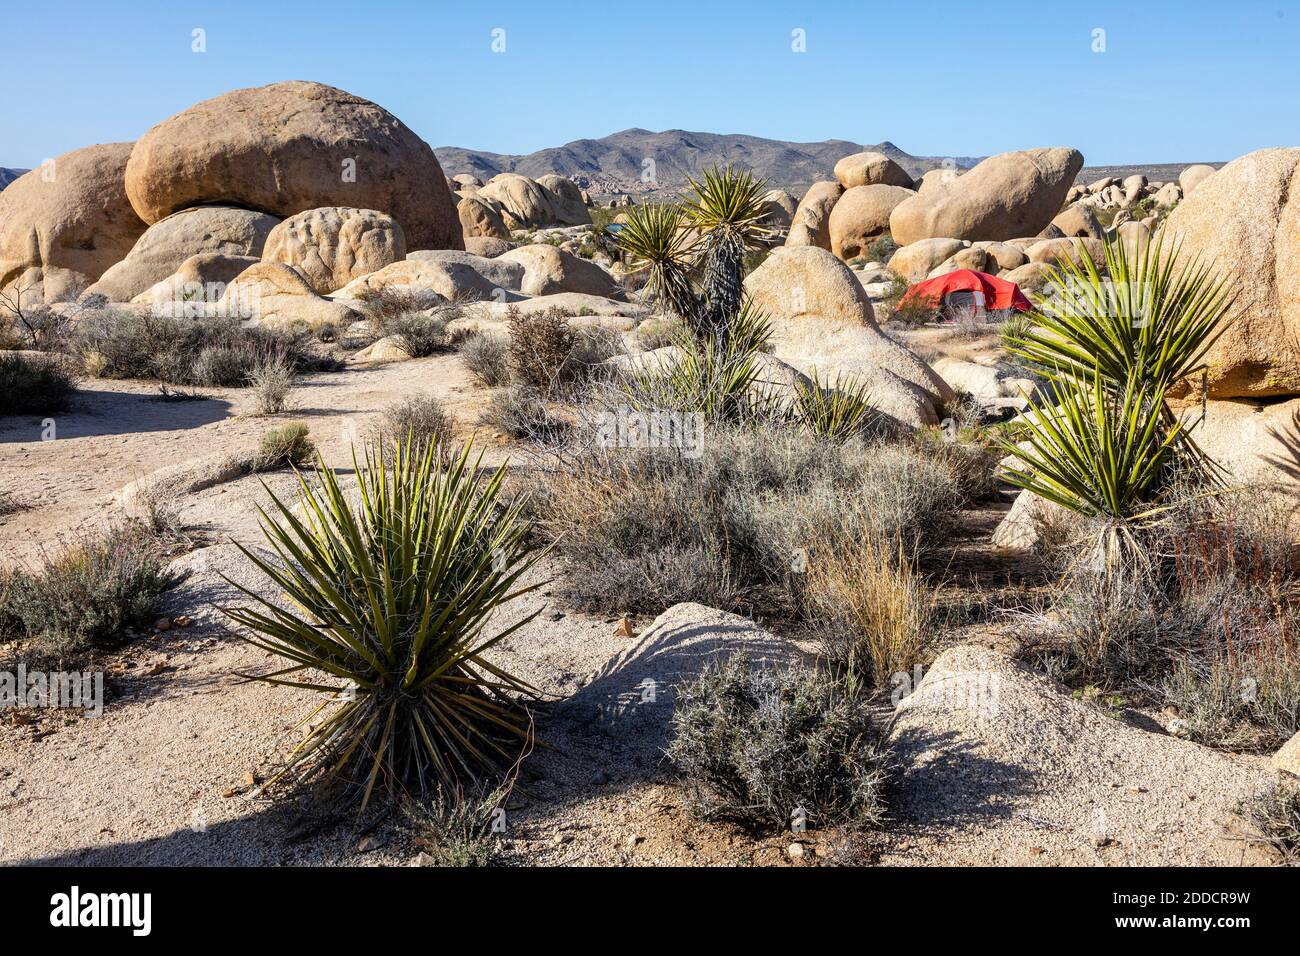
(1177, 81)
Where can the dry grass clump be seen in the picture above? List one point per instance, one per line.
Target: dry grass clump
(281, 447)
(37, 385)
(767, 748)
(83, 598)
(874, 614)
(271, 381)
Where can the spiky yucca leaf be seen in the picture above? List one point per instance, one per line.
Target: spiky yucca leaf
(835, 410)
(391, 597)
(658, 238)
(1101, 453)
(728, 210)
(1152, 314)
(714, 378)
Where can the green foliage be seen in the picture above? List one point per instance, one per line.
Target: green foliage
(658, 240)
(1149, 316)
(389, 607)
(834, 411)
(715, 378)
(728, 211)
(1101, 454)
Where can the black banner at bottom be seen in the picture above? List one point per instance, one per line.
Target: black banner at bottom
(335, 906)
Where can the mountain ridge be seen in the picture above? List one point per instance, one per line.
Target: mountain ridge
(640, 160)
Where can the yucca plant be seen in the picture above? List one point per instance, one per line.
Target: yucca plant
(715, 377)
(1103, 454)
(728, 211)
(835, 411)
(657, 238)
(1149, 316)
(389, 602)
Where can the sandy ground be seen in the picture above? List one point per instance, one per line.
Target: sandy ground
(161, 777)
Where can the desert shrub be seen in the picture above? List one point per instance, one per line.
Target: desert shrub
(421, 711)
(391, 302)
(33, 384)
(457, 830)
(758, 745)
(488, 359)
(540, 345)
(971, 456)
(421, 418)
(209, 352)
(881, 249)
(84, 597)
(420, 334)
(271, 381)
(715, 378)
(289, 444)
(1206, 624)
(1273, 818)
(640, 529)
(522, 412)
(916, 311)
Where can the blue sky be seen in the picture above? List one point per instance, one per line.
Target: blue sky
(1178, 82)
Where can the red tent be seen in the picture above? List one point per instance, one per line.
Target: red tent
(999, 294)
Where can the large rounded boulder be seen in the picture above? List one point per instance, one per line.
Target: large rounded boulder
(522, 202)
(778, 209)
(289, 147)
(565, 197)
(871, 169)
(1243, 221)
(480, 219)
(823, 323)
(169, 242)
(812, 217)
(64, 224)
(1005, 196)
(548, 270)
(336, 244)
(862, 216)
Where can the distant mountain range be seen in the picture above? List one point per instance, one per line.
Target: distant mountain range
(615, 163)
(9, 175)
